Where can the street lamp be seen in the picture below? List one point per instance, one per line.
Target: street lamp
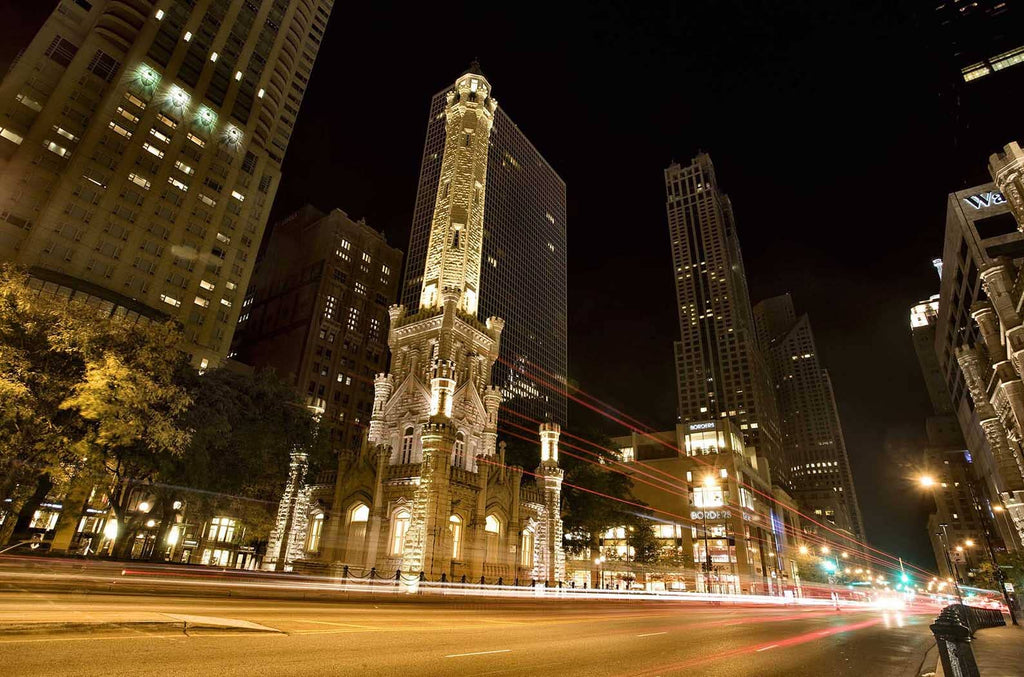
(929, 482)
(600, 572)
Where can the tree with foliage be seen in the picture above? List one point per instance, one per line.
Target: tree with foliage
(244, 427)
(79, 391)
(645, 547)
(1011, 564)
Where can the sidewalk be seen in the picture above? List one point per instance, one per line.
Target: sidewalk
(1000, 651)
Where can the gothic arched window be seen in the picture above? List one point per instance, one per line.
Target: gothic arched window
(459, 452)
(492, 530)
(400, 522)
(455, 528)
(406, 455)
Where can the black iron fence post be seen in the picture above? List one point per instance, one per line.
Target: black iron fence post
(953, 637)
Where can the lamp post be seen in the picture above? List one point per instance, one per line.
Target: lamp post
(600, 571)
(709, 483)
(987, 532)
(944, 538)
(929, 482)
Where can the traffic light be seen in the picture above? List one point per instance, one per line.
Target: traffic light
(904, 579)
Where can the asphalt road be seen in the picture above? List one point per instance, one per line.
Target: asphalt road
(425, 636)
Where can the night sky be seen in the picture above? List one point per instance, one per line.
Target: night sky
(826, 127)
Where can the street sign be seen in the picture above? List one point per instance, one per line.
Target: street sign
(1009, 586)
(958, 557)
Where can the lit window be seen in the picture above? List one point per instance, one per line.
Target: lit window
(127, 115)
(353, 319)
(316, 529)
(65, 133)
(153, 150)
(208, 286)
(345, 244)
(134, 100)
(55, 148)
(231, 285)
(360, 513)
(330, 307)
(459, 451)
(455, 530)
(120, 130)
(213, 57)
(29, 102)
(385, 270)
(238, 196)
(208, 200)
(201, 302)
(184, 167)
(188, 36)
(492, 529)
(360, 288)
(366, 257)
(526, 549)
(225, 302)
(223, 238)
(221, 529)
(238, 75)
(166, 120)
(261, 93)
(159, 14)
(406, 455)
(177, 184)
(170, 300)
(139, 180)
(400, 522)
(196, 140)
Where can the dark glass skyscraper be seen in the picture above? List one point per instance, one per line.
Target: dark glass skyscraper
(524, 250)
(812, 436)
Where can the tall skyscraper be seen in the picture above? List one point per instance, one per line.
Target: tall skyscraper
(720, 370)
(812, 436)
(317, 312)
(141, 148)
(522, 276)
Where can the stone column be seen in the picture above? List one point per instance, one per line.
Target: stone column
(997, 280)
(431, 505)
(552, 477)
(381, 456)
(290, 526)
(988, 325)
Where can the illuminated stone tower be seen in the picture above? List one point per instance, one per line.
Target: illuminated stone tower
(456, 233)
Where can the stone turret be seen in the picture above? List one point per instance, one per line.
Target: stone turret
(456, 234)
(1007, 170)
(551, 477)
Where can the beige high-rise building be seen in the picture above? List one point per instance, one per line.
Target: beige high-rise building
(719, 369)
(141, 145)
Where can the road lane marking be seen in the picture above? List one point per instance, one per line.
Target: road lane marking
(342, 625)
(652, 634)
(765, 648)
(478, 653)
